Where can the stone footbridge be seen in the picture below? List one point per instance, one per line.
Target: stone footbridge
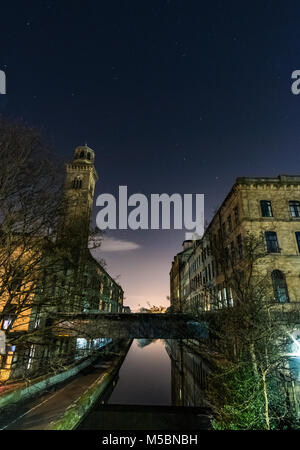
(129, 326)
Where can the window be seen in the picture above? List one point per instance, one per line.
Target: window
(225, 296)
(7, 321)
(230, 303)
(226, 257)
(215, 242)
(204, 276)
(81, 343)
(31, 356)
(9, 316)
(77, 183)
(240, 245)
(88, 155)
(298, 239)
(85, 281)
(219, 235)
(266, 208)
(236, 215)
(37, 319)
(294, 208)
(279, 286)
(224, 229)
(229, 223)
(271, 241)
(209, 272)
(232, 251)
(220, 303)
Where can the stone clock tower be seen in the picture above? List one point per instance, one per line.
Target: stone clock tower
(79, 189)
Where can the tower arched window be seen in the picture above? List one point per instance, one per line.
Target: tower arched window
(88, 156)
(279, 285)
(81, 154)
(77, 183)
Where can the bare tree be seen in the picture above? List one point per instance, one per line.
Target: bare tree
(42, 261)
(250, 337)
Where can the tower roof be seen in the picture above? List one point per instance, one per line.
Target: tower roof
(84, 154)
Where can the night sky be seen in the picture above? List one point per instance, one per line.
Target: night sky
(173, 96)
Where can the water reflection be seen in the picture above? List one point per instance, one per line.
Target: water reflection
(158, 372)
(157, 381)
(144, 342)
(145, 376)
(189, 374)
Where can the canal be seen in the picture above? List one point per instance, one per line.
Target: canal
(160, 385)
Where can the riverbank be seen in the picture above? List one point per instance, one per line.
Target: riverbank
(68, 405)
(76, 412)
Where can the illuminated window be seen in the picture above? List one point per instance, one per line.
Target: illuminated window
(31, 356)
(7, 320)
(220, 304)
(37, 319)
(230, 297)
(81, 343)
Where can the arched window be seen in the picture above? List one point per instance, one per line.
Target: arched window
(280, 287)
(77, 183)
(88, 155)
(81, 154)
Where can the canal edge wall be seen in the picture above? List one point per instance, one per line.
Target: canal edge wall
(78, 410)
(36, 386)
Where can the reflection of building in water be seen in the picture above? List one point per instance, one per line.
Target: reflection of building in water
(189, 375)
